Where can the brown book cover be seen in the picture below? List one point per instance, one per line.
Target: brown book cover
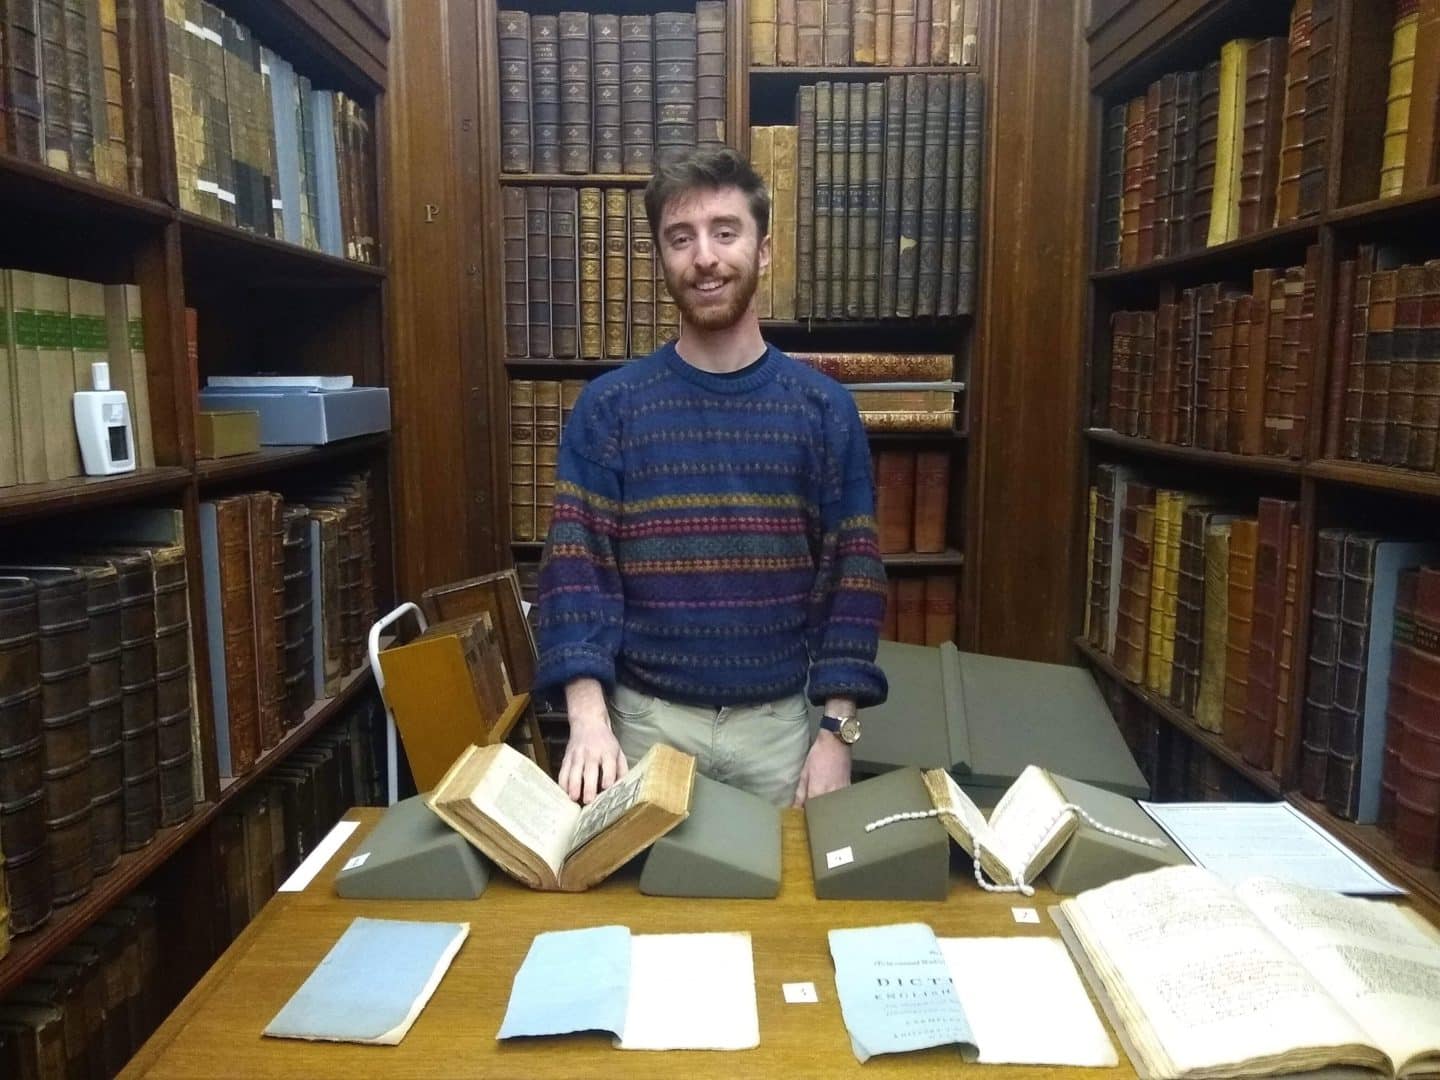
(786, 42)
(1164, 164)
(564, 273)
(58, 137)
(950, 208)
(24, 112)
(881, 367)
(896, 492)
(1316, 126)
(910, 610)
(1248, 415)
(537, 255)
(87, 103)
(514, 50)
(1149, 161)
(1124, 397)
(1182, 167)
(1287, 685)
(1283, 357)
(1292, 127)
(617, 274)
(1342, 773)
(1305, 369)
(783, 223)
(591, 264)
(837, 32)
(1379, 351)
(517, 312)
(941, 591)
(1426, 415)
(1184, 397)
(809, 33)
(266, 552)
(1215, 627)
(840, 247)
(1240, 368)
(932, 499)
(244, 693)
(1425, 86)
(637, 93)
(1354, 369)
(911, 181)
(1133, 182)
(1405, 356)
(710, 66)
(1162, 420)
(1323, 653)
(545, 92)
(1137, 530)
(902, 33)
(606, 122)
(675, 88)
(1417, 806)
(1240, 615)
(824, 127)
(932, 194)
(884, 18)
(547, 452)
(575, 103)
(1112, 179)
(1222, 343)
(1189, 608)
(110, 94)
(522, 459)
(1144, 350)
(1397, 703)
(863, 26)
(763, 33)
(497, 595)
(1264, 115)
(1272, 557)
(1207, 135)
(924, 17)
(1100, 558)
(805, 204)
(1207, 298)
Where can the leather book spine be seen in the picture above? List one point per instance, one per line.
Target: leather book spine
(1184, 399)
(805, 204)
(1379, 353)
(1224, 200)
(940, 30)
(1222, 342)
(1397, 99)
(113, 155)
(710, 63)
(1426, 414)
(786, 42)
(233, 527)
(676, 120)
(820, 292)
(1342, 774)
(1397, 702)
(1282, 376)
(1149, 161)
(1207, 136)
(218, 130)
(1260, 139)
(1321, 658)
(941, 592)
(1134, 180)
(547, 450)
(1101, 562)
(575, 104)
(642, 278)
(1215, 620)
(873, 202)
(855, 205)
(809, 33)
(910, 610)
(637, 93)
(1189, 608)
(763, 33)
(1112, 176)
(1182, 167)
(1417, 807)
(517, 308)
(881, 367)
(1136, 543)
(890, 194)
(1240, 619)
(1240, 345)
(537, 248)
(932, 194)
(234, 68)
(932, 499)
(1306, 357)
(1122, 371)
(1275, 517)
(545, 92)
(606, 122)
(265, 575)
(1354, 366)
(902, 33)
(1421, 135)
(950, 208)
(924, 16)
(564, 273)
(1405, 355)
(911, 182)
(515, 131)
(55, 85)
(1340, 343)
(783, 225)
(1162, 422)
(762, 159)
(1164, 165)
(1155, 623)
(1316, 127)
(1286, 685)
(863, 32)
(522, 459)
(24, 85)
(837, 32)
(617, 274)
(1141, 423)
(1292, 127)
(1206, 299)
(592, 289)
(972, 162)
(839, 195)
(884, 19)
(1170, 593)
(1251, 419)
(896, 494)
(667, 314)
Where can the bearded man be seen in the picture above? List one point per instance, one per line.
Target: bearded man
(712, 560)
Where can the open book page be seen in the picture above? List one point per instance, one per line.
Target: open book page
(1030, 822)
(1376, 959)
(609, 806)
(1200, 982)
(961, 817)
(520, 799)
(1025, 1003)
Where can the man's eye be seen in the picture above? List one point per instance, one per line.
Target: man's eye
(725, 234)
(679, 241)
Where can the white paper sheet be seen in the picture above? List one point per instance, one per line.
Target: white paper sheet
(316, 860)
(1236, 841)
(691, 992)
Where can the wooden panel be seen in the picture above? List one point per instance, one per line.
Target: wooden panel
(1026, 377)
(432, 481)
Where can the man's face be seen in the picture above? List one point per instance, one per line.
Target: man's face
(711, 253)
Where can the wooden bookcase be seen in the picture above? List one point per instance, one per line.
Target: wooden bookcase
(259, 301)
(1132, 43)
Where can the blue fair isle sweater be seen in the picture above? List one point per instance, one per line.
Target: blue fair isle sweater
(713, 540)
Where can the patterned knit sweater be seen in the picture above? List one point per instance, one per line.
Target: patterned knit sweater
(713, 540)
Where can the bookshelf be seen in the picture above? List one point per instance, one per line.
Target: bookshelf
(1132, 43)
(260, 301)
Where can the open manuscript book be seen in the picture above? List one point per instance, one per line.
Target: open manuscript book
(1265, 978)
(1029, 824)
(506, 805)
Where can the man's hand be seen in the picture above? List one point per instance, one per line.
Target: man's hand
(827, 768)
(593, 758)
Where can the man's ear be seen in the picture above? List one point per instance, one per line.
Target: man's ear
(765, 253)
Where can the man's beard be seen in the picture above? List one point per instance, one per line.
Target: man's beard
(714, 315)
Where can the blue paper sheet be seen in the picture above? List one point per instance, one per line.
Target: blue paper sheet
(895, 990)
(372, 983)
(571, 980)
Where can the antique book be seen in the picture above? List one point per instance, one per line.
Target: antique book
(1247, 416)
(824, 126)
(857, 252)
(805, 203)
(57, 134)
(1272, 556)
(564, 273)
(783, 223)
(1112, 178)
(675, 87)
(1283, 356)
(1416, 822)
(1263, 114)
(516, 262)
(810, 33)
(1230, 124)
(710, 67)
(266, 553)
(924, 19)
(884, 19)
(515, 132)
(763, 33)
(1207, 140)
(1286, 679)
(1239, 613)
(642, 278)
(1162, 421)
(1425, 436)
(902, 33)
(1322, 656)
(575, 84)
(838, 32)
(617, 275)
(932, 499)
(497, 595)
(1164, 164)
(1170, 608)
(230, 620)
(841, 249)
(910, 610)
(1183, 398)
(1207, 979)
(1182, 161)
(1155, 620)
(891, 166)
(785, 32)
(506, 806)
(591, 247)
(637, 92)
(1222, 341)
(1292, 127)
(881, 367)
(1149, 150)
(1189, 609)
(1207, 298)
(537, 259)
(110, 93)
(299, 591)
(1210, 694)
(912, 173)
(1316, 127)
(862, 24)
(1379, 352)
(872, 203)
(950, 206)
(1306, 355)
(1404, 363)
(1348, 361)
(1133, 180)
(941, 598)
(545, 93)
(1425, 83)
(547, 452)
(1397, 100)
(1136, 548)
(932, 195)
(24, 87)
(606, 119)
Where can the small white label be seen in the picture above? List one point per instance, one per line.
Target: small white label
(1026, 914)
(264, 69)
(207, 186)
(213, 36)
(839, 857)
(225, 196)
(276, 204)
(358, 860)
(194, 28)
(802, 993)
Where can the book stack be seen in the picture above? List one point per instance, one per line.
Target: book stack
(258, 146)
(838, 33)
(895, 392)
(1385, 367)
(539, 409)
(912, 500)
(1408, 156)
(887, 196)
(921, 609)
(1205, 157)
(70, 72)
(1195, 601)
(610, 94)
(1220, 369)
(53, 329)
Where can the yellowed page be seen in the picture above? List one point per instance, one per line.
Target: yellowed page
(1374, 958)
(608, 807)
(1028, 820)
(517, 796)
(959, 814)
(1200, 978)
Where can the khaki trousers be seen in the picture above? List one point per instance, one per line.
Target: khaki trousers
(757, 748)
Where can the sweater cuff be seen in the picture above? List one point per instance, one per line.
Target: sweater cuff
(560, 665)
(845, 677)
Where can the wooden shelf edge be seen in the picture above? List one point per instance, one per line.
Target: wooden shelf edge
(947, 559)
(1265, 781)
(83, 492)
(1253, 245)
(1378, 211)
(1256, 463)
(575, 179)
(549, 362)
(276, 458)
(1375, 477)
(893, 323)
(302, 258)
(29, 952)
(98, 196)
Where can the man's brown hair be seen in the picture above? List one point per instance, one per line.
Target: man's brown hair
(707, 170)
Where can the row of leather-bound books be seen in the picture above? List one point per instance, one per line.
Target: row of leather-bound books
(912, 499)
(838, 33)
(875, 199)
(603, 93)
(97, 734)
(920, 609)
(1205, 157)
(1194, 598)
(1220, 368)
(290, 597)
(70, 72)
(259, 146)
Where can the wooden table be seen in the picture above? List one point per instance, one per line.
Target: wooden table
(215, 1032)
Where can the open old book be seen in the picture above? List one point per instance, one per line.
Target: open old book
(1208, 980)
(1029, 824)
(506, 805)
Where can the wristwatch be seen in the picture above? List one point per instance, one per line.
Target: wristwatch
(846, 729)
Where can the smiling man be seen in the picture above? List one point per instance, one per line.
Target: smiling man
(712, 559)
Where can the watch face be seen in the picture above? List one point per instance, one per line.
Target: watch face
(850, 730)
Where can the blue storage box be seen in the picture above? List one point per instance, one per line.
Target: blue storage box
(301, 416)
